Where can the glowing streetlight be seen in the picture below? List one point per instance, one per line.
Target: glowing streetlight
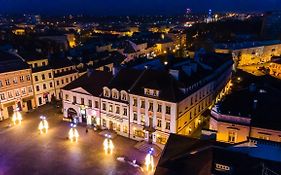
(149, 161)
(43, 125)
(108, 144)
(73, 133)
(17, 117)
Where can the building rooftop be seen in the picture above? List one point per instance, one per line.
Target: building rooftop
(245, 45)
(184, 155)
(92, 83)
(11, 62)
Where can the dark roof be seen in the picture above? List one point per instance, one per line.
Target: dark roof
(158, 80)
(10, 62)
(171, 88)
(262, 105)
(184, 155)
(124, 79)
(57, 63)
(65, 73)
(32, 56)
(265, 90)
(93, 84)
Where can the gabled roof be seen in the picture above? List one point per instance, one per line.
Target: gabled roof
(92, 83)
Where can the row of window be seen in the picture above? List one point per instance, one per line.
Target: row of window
(82, 101)
(15, 80)
(116, 110)
(36, 64)
(17, 92)
(151, 106)
(43, 77)
(116, 126)
(62, 70)
(67, 80)
(159, 121)
(151, 92)
(44, 86)
(115, 94)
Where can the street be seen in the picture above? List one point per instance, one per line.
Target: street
(24, 151)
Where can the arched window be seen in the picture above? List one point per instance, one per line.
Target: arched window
(124, 96)
(115, 93)
(106, 92)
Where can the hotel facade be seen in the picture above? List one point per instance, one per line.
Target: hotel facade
(148, 104)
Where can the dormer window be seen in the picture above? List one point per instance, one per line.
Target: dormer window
(106, 92)
(147, 91)
(115, 94)
(151, 92)
(123, 95)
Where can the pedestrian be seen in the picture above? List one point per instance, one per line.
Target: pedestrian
(87, 130)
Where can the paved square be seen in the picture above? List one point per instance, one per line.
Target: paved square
(24, 151)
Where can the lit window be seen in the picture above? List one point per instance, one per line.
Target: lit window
(159, 123)
(30, 89)
(167, 125)
(17, 93)
(135, 102)
(168, 110)
(10, 95)
(142, 119)
(125, 112)
(90, 103)
(117, 110)
(21, 78)
(2, 96)
(135, 116)
(104, 106)
(96, 104)
(142, 104)
(150, 106)
(159, 109)
(23, 91)
(15, 80)
(7, 82)
(232, 136)
(110, 108)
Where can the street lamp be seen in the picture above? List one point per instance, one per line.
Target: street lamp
(43, 125)
(73, 133)
(108, 144)
(149, 161)
(17, 117)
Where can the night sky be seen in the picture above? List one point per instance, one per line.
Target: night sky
(132, 7)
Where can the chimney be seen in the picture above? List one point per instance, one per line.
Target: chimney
(255, 103)
(174, 73)
(115, 70)
(89, 72)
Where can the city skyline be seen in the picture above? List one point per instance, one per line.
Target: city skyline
(134, 7)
